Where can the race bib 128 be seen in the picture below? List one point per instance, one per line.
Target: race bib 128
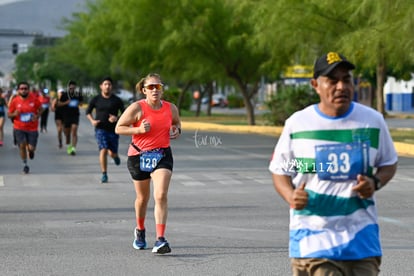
(149, 160)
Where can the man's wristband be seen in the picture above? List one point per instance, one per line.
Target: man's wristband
(377, 183)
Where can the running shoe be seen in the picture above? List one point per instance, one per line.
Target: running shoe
(161, 246)
(31, 154)
(26, 169)
(69, 149)
(117, 160)
(104, 178)
(139, 242)
(1, 143)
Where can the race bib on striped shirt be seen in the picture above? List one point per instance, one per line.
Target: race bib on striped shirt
(340, 162)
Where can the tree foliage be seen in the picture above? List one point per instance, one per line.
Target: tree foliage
(375, 35)
(288, 100)
(198, 43)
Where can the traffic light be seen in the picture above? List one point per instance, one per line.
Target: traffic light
(15, 48)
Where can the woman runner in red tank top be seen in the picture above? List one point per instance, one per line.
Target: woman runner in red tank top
(151, 122)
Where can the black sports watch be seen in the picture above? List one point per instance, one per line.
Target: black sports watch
(377, 183)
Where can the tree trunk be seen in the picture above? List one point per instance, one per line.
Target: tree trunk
(198, 107)
(246, 99)
(250, 111)
(182, 95)
(380, 85)
(209, 89)
(203, 92)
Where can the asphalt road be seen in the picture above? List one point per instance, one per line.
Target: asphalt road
(224, 218)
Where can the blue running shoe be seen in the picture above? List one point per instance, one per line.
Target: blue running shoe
(104, 178)
(161, 246)
(139, 242)
(117, 160)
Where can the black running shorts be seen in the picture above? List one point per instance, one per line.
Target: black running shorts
(133, 164)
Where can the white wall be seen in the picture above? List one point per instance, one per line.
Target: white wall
(398, 86)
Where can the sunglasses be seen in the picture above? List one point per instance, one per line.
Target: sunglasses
(157, 86)
(23, 88)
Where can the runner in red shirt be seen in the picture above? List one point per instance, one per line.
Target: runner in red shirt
(25, 110)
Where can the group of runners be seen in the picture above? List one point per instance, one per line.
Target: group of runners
(66, 108)
(29, 110)
(151, 123)
(345, 149)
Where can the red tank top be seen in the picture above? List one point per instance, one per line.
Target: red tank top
(159, 135)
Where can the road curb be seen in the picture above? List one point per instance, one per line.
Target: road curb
(265, 130)
(403, 149)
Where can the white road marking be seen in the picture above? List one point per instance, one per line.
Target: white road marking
(230, 182)
(192, 183)
(395, 222)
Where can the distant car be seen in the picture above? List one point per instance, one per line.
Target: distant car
(204, 100)
(125, 95)
(217, 100)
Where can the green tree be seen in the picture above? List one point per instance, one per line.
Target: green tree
(365, 31)
(184, 55)
(198, 40)
(87, 50)
(25, 63)
(382, 39)
(33, 66)
(288, 100)
(216, 38)
(115, 39)
(201, 42)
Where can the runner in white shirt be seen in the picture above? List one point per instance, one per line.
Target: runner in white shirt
(329, 161)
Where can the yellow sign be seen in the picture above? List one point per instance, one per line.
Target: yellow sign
(299, 71)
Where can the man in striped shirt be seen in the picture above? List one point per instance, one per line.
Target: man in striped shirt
(327, 165)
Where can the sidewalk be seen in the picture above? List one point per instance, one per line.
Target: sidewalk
(403, 149)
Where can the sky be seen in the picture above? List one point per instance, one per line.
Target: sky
(40, 16)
